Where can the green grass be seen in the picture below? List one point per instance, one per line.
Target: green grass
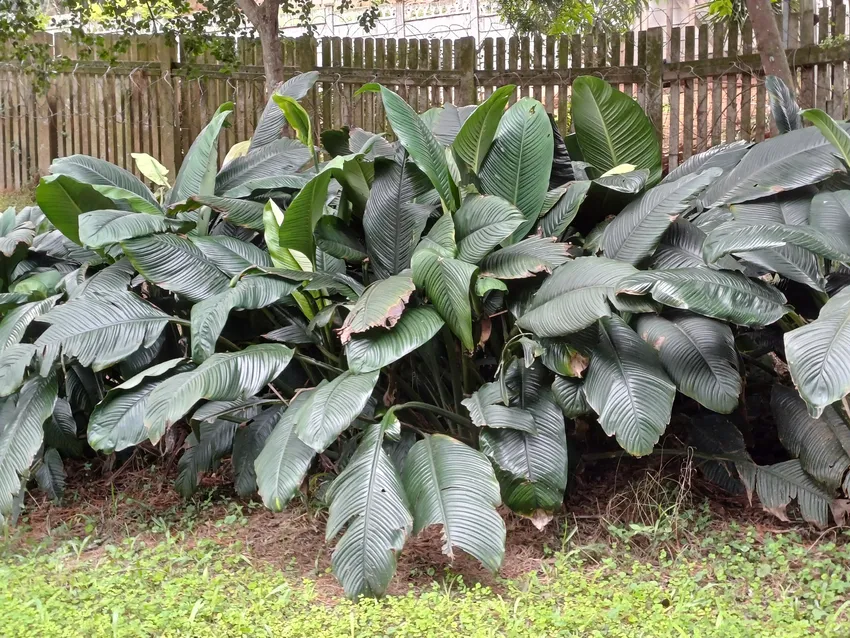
(733, 582)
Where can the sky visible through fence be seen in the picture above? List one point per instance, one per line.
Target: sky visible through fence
(701, 86)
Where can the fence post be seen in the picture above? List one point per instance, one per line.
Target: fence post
(167, 107)
(465, 63)
(654, 80)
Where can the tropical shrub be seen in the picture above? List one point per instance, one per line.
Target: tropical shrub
(425, 321)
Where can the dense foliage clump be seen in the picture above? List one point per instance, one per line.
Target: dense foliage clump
(437, 325)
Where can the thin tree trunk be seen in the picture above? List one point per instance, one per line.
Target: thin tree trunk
(769, 42)
(264, 18)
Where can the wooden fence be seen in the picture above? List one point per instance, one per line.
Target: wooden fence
(700, 86)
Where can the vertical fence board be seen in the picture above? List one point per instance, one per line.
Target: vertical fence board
(702, 94)
(688, 99)
(746, 84)
(675, 115)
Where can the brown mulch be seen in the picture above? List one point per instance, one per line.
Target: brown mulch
(135, 501)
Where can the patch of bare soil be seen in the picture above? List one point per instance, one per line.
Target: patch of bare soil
(658, 495)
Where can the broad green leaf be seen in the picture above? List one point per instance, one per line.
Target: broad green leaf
(222, 377)
(108, 179)
(39, 285)
(270, 126)
(297, 118)
(831, 130)
(209, 316)
(295, 230)
(740, 237)
(378, 348)
(14, 233)
(486, 410)
(21, 434)
(822, 444)
(569, 395)
(561, 215)
(151, 168)
(101, 228)
(563, 357)
(526, 258)
(333, 407)
(420, 143)
(262, 185)
(783, 106)
(532, 468)
(447, 283)
(118, 421)
(335, 238)
(699, 356)
(575, 296)
(231, 255)
(368, 498)
(63, 200)
(392, 222)
(723, 156)
(284, 460)
(452, 485)
(448, 122)
(380, 305)
(216, 440)
(176, 264)
(279, 158)
(481, 223)
(681, 247)
(199, 167)
(635, 233)
(241, 212)
(15, 322)
(726, 295)
(779, 164)
(14, 362)
(627, 387)
(517, 166)
(50, 475)
(114, 278)
(100, 330)
(818, 355)
(612, 129)
(778, 484)
(476, 135)
(248, 443)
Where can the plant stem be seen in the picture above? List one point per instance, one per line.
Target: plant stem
(416, 405)
(457, 382)
(319, 364)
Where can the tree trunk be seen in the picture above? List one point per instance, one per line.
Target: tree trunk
(769, 42)
(264, 18)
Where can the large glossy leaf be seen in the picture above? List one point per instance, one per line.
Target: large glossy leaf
(108, 179)
(101, 228)
(778, 484)
(368, 498)
(380, 305)
(241, 212)
(209, 316)
(448, 122)
(822, 444)
(202, 453)
(628, 388)
(517, 166)
(280, 157)
(21, 434)
(222, 377)
(481, 223)
(421, 144)
(378, 348)
(176, 264)
(783, 106)
(248, 443)
(561, 215)
(270, 126)
(336, 238)
(635, 233)
(680, 247)
(452, 485)
(819, 355)
(477, 133)
(50, 475)
(569, 395)
(574, 297)
(15, 322)
(284, 460)
(699, 356)
(526, 258)
(740, 237)
(831, 130)
(333, 407)
(63, 200)
(114, 278)
(532, 468)
(447, 283)
(118, 421)
(14, 232)
(231, 255)
(778, 164)
(612, 129)
(14, 361)
(100, 330)
(730, 296)
(487, 410)
(723, 156)
(392, 222)
(199, 167)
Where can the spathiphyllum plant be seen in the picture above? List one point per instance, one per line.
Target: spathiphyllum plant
(425, 321)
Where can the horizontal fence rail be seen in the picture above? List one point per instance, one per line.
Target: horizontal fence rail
(701, 86)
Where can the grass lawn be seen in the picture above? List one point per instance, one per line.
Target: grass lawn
(146, 565)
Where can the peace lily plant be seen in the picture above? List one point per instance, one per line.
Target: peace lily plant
(438, 325)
